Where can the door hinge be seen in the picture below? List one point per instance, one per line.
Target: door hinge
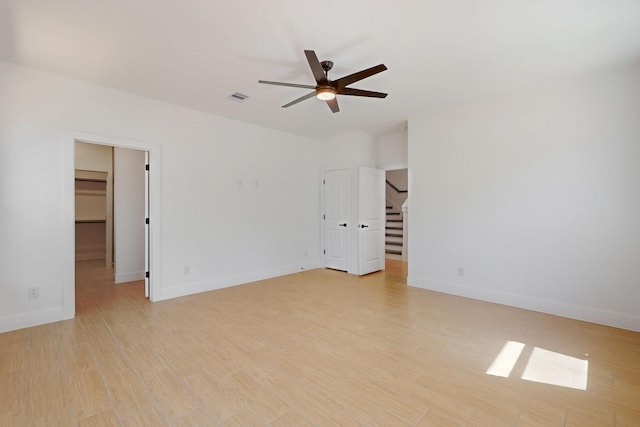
(146, 274)
(146, 221)
(324, 251)
(323, 182)
(146, 167)
(323, 217)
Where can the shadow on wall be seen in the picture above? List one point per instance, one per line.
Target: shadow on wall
(8, 37)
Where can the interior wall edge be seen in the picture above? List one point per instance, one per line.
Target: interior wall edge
(395, 166)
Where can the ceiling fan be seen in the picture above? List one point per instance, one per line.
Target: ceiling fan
(325, 89)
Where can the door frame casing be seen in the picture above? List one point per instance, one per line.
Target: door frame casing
(68, 238)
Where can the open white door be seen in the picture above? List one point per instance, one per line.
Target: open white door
(147, 277)
(337, 212)
(371, 220)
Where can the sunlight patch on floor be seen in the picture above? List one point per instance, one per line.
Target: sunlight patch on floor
(543, 366)
(550, 367)
(506, 359)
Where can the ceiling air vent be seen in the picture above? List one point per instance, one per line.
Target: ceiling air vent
(237, 96)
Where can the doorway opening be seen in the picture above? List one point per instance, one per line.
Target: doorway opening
(111, 218)
(397, 210)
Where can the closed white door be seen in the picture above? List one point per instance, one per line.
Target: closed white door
(337, 212)
(147, 266)
(371, 220)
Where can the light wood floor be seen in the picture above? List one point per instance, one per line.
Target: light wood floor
(316, 348)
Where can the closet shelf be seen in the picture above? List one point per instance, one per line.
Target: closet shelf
(94, 193)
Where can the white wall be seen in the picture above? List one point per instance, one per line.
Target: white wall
(536, 197)
(392, 151)
(234, 202)
(128, 214)
(349, 150)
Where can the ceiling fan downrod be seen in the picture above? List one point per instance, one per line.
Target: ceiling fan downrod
(327, 66)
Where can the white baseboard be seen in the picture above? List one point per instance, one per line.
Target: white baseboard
(589, 314)
(129, 277)
(34, 318)
(228, 281)
(56, 314)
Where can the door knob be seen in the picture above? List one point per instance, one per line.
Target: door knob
(362, 226)
(342, 225)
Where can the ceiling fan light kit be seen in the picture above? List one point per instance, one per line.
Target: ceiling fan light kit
(325, 89)
(325, 93)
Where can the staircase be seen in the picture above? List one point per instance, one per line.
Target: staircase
(393, 232)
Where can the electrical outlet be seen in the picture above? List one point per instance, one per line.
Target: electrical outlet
(33, 291)
(187, 269)
(461, 271)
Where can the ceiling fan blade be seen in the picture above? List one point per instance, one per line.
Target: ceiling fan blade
(360, 92)
(266, 82)
(333, 104)
(352, 78)
(302, 98)
(316, 68)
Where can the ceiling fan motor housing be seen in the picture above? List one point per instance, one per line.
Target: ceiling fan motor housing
(326, 66)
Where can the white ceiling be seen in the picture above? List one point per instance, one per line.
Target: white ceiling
(440, 53)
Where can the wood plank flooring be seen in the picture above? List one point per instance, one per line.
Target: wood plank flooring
(318, 348)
